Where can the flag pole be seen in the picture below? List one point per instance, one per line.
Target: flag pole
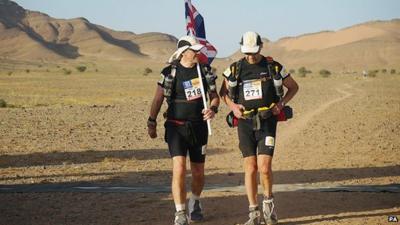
(203, 96)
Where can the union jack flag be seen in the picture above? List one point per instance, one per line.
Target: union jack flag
(195, 27)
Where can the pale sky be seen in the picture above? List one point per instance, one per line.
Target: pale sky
(225, 20)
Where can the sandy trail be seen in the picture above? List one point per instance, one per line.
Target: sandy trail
(297, 125)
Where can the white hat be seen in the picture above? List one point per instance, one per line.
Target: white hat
(250, 43)
(185, 43)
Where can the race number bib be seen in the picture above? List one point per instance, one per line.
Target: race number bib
(192, 89)
(252, 89)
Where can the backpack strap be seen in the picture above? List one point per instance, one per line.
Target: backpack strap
(210, 78)
(269, 59)
(173, 70)
(169, 83)
(236, 70)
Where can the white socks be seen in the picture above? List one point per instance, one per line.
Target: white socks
(180, 207)
(253, 207)
(194, 197)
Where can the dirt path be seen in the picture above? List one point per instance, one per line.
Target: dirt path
(297, 125)
(306, 187)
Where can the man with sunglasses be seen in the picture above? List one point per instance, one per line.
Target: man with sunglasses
(185, 126)
(253, 90)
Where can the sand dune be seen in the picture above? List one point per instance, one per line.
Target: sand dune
(329, 39)
(371, 45)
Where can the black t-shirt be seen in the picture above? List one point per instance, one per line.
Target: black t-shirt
(186, 100)
(254, 91)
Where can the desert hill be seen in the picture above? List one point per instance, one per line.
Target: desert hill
(29, 35)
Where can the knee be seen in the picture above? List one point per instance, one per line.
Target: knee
(179, 170)
(197, 173)
(265, 169)
(251, 168)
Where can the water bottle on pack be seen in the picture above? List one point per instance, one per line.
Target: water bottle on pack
(277, 78)
(232, 86)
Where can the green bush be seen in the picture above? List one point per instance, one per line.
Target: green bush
(147, 71)
(392, 71)
(303, 71)
(67, 71)
(27, 71)
(324, 73)
(384, 70)
(9, 73)
(372, 73)
(3, 103)
(81, 68)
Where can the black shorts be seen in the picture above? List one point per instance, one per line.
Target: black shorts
(263, 139)
(191, 137)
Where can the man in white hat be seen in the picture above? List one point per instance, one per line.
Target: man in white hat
(185, 126)
(252, 89)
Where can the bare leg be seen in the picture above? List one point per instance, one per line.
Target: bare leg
(250, 178)
(265, 169)
(197, 177)
(178, 179)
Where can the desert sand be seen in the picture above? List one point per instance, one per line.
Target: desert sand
(344, 133)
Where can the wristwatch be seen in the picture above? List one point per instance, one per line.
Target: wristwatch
(151, 122)
(214, 109)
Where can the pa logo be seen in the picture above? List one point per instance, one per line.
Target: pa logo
(393, 219)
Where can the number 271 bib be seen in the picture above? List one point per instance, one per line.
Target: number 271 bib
(252, 89)
(192, 89)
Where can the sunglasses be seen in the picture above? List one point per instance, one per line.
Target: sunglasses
(252, 54)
